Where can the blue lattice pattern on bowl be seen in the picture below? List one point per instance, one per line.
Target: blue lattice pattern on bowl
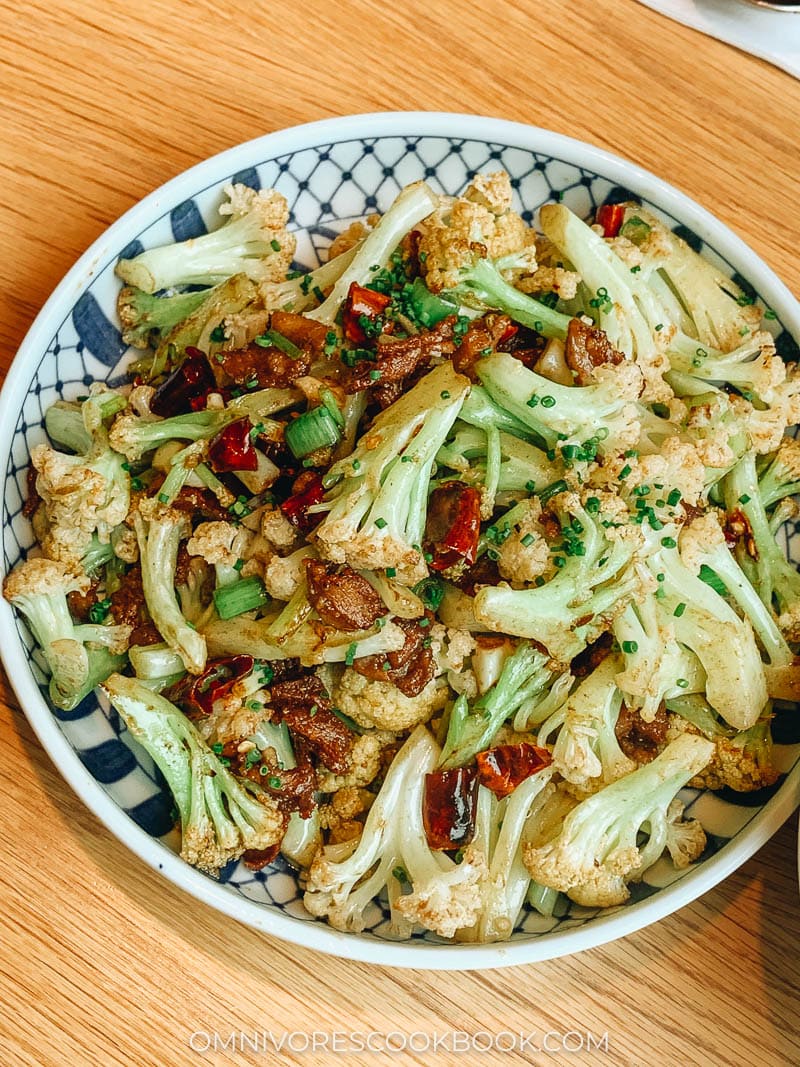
(327, 186)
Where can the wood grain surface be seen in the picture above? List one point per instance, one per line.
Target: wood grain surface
(101, 961)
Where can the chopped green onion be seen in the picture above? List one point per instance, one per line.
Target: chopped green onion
(238, 597)
(711, 578)
(329, 401)
(630, 646)
(679, 610)
(553, 490)
(99, 611)
(273, 339)
(310, 431)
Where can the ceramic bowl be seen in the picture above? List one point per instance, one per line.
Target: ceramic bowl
(331, 173)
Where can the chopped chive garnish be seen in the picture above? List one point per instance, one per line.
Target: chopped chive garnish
(679, 610)
(273, 339)
(682, 683)
(381, 523)
(669, 542)
(630, 646)
(548, 401)
(527, 540)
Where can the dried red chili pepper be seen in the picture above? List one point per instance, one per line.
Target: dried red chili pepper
(295, 507)
(187, 387)
(255, 859)
(454, 525)
(610, 217)
(510, 331)
(361, 302)
(197, 695)
(502, 768)
(449, 807)
(232, 449)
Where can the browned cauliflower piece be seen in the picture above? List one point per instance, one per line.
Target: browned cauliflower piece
(742, 762)
(382, 705)
(81, 496)
(367, 759)
(525, 554)
(481, 220)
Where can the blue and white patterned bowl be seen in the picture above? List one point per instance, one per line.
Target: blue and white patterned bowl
(331, 173)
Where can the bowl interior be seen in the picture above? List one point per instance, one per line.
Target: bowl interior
(329, 182)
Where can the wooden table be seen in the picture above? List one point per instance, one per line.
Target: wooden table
(103, 962)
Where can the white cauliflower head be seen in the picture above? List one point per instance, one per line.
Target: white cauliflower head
(382, 705)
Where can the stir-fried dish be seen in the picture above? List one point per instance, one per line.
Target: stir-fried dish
(440, 569)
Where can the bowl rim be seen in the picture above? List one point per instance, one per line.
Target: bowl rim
(318, 935)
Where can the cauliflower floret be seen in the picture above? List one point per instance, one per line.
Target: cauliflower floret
(43, 577)
(139, 399)
(381, 704)
(742, 762)
(701, 535)
(686, 839)
(340, 816)
(81, 496)
(678, 465)
(240, 329)
(349, 238)
(272, 211)
(366, 761)
(458, 646)
(492, 191)
(525, 554)
(479, 221)
(606, 886)
(126, 547)
(283, 575)
(367, 550)
(450, 901)
(219, 542)
(276, 529)
(551, 280)
(233, 720)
